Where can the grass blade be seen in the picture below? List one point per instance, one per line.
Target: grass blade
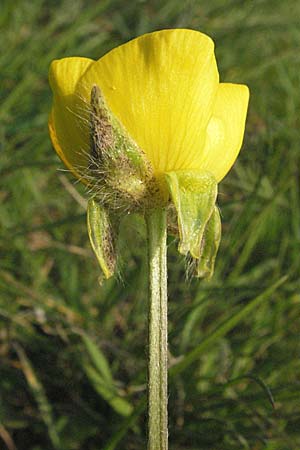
(39, 394)
(224, 328)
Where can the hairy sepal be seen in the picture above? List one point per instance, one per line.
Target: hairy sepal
(120, 168)
(102, 236)
(209, 246)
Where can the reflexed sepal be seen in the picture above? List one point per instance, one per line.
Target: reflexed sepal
(194, 196)
(209, 246)
(102, 237)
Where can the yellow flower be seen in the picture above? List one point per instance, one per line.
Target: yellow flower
(164, 88)
(158, 100)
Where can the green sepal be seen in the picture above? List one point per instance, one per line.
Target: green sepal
(102, 237)
(119, 169)
(110, 139)
(194, 195)
(209, 246)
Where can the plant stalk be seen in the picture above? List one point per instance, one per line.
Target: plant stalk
(158, 331)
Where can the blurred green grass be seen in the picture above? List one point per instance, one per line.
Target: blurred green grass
(73, 371)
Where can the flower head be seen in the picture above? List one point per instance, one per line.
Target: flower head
(164, 88)
(160, 97)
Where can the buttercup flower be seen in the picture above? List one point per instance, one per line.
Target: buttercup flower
(164, 88)
(150, 129)
(161, 93)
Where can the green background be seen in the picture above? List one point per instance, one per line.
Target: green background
(73, 353)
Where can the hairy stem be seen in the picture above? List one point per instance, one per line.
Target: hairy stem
(158, 331)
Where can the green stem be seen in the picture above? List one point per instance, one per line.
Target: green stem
(158, 331)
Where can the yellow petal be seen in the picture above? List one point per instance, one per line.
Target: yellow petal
(162, 87)
(225, 130)
(67, 122)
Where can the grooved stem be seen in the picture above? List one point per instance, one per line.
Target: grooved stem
(158, 331)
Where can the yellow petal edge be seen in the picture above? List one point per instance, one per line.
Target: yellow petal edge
(225, 129)
(68, 133)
